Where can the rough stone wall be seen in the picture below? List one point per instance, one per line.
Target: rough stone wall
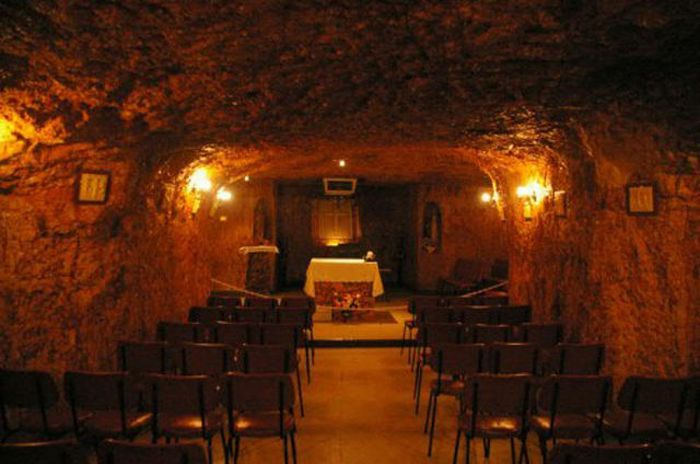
(75, 279)
(628, 281)
(470, 229)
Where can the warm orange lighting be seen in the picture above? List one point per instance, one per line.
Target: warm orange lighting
(341, 163)
(332, 243)
(486, 197)
(5, 131)
(200, 180)
(533, 191)
(223, 195)
(246, 178)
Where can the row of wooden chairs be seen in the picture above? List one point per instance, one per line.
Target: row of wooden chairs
(212, 359)
(234, 334)
(451, 301)
(665, 452)
(573, 407)
(106, 405)
(233, 301)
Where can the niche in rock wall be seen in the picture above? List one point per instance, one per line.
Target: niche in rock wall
(262, 230)
(431, 236)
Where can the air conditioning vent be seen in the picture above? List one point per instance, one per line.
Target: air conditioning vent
(339, 187)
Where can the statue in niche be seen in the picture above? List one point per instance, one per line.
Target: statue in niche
(432, 228)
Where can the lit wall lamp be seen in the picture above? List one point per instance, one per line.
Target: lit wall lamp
(533, 192)
(199, 182)
(488, 197)
(223, 195)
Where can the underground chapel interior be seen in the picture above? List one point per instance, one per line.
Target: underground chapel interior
(535, 156)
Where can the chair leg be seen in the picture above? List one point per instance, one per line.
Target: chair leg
(427, 413)
(209, 451)
(301, 397)
(223, 445)
(237, 447)
(308, 365)
(543, 449)
(455, 454)
(294, 447)
(487, 447)
(403, 339)
(512, 450)
(432, 424)
(313, 346)
(286, 453)
(523, 450)
(468, 446)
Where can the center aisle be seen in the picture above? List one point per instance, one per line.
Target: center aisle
(359, 410)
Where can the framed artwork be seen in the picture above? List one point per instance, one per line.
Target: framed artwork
(92, 187)
(560, 204)
(641, 199)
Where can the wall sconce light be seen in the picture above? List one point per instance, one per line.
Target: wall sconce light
(532, 192)
(223, 195)
(246, 178)
(488, 197)
(199, 181)
(342, 163)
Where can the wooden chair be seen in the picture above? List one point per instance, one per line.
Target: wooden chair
(543, 335)
(575, 453)
(495, 406)
(289, 335)
(260, 405)
(187, 407)
(434, 333)
(301, 317)
(452, 363)
(111, 399)
(181, 332)
(640, 403)
(224, 300)
(512, 315)
(674, 452)
(212, 359)
(570, 406)
(513, 358)
(489, 333)
(253, 315)
(298, 302)
(688, 427)
(33, 397)
(260, 303)
(51, 452)
(144, 357)
(578, 359)
(123, 452)
(234, 334)
(271, 359)
(209, 314)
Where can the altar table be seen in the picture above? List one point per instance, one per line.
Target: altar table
(331, 279)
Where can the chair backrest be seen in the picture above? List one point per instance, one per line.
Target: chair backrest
(224, 300)
(425, 301)
(184, 394)
(266, 359)
(575, 453)
(578, 359)
(652, 395)
(513, 358)
(206, 358)
(692, 406)
(472, 315)
(181, 332)
(489, 333)
(124, 452)
(676, 452)
(301, 317)
(259, 392)
(433, 315)
(208, 314)
(260, 303)
(574, 394)
(512, 315)
(499, 395)
(51, 452)
(457, 358)
(297, 302)
(288, 335)
(254, 315)
(143, 357)
(232, 333)
(29, 389)
(96, 391)
(542, 335)
(431, 334)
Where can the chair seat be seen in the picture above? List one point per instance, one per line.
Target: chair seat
(492, 426)
(645, 426)
(565, 426)
(189, 425)
(687, 426)
(108, 424)
(60, 421)
(449, 387)
(262, 424)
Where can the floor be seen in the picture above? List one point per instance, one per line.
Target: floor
(359, 410)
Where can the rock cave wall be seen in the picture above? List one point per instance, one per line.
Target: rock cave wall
(631, 282)
(75, 279)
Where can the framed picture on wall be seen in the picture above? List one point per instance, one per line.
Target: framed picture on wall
(560, 204)
(92, 187)
(641, 199)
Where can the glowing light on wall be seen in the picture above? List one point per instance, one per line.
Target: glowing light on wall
(223, 195)
(342, 163)
(200, 180)
(246, 178)
(534, 192)
(486, 197)
(5, 131)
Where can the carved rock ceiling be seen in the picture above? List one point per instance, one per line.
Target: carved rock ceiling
(403, 90)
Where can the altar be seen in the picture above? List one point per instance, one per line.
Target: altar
(342, 282)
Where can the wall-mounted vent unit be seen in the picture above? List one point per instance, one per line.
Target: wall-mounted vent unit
(339, 187)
